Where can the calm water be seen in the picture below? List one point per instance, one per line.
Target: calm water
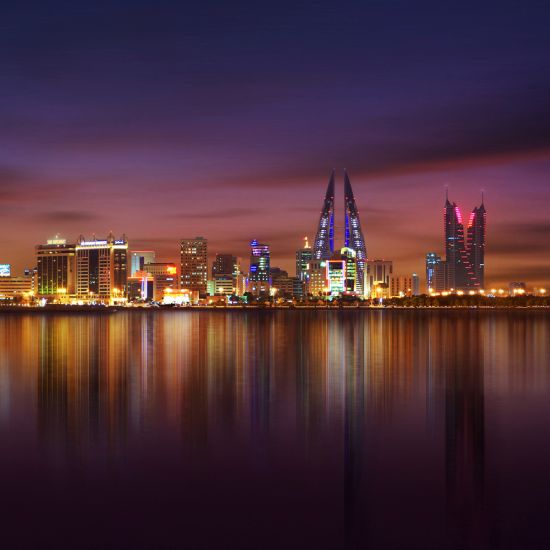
(403, 429)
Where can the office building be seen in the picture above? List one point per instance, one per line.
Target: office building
(303, 257)
(378, 272)
(101, 269)
(138, 259)
(259, 273)
(476, 234)
(224, 285)
(281, 283)
(16, 288)
(140, 287)
(194, 264)
(464, 247)
(351, 282)
(436, 273)
(317, 283)
(401, 286)
(415, 284)
(225, 264)
(353, 237)
(323, 247)
(165, 275)
(56, 268)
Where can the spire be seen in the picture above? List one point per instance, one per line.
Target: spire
(447, 203)
(348, 191)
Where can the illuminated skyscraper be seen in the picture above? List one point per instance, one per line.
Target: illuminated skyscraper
(259, 275)
(56, 265)
(435, 273)
(476, 244)
(101, 269)
(225, 264)
(353, 237)
(323, 246)
(194, 264)
(303, 257)
(464, 249)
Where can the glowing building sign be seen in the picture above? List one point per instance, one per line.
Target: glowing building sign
(5, 270)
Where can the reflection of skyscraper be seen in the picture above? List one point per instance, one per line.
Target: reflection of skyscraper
(465, 439)
(194, 264)
(323, 246)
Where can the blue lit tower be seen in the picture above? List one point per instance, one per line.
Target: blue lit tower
(323, 247)
(260, 271)
(353, 237)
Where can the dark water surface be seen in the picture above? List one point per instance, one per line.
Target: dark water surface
(328, 429)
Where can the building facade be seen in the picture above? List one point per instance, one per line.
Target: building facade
(138, 259)
(56, 269)
(464, 247)
(259, 276)
(378, 272)
(303, 257)
(101, 269)
(194, 264)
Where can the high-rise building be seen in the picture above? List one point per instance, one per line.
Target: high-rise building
(401, 286)
(259, 273)
(476, 244)
(464, 248)
(436, 279)
(303, 257)
(56, 268)
(351, 283)
(353, 237)
(194, 264)
(281, 283)
(224, 264)
(378, 272)
(138, 259)
(165, 276)
(323, 246)
(317, 284)
(415, 284)
(101, 269)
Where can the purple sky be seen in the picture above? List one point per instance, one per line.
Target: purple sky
(167, 120)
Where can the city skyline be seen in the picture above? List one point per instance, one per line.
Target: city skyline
(338, 236)
(161, 133)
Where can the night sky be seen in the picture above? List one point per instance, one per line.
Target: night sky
(168, 120)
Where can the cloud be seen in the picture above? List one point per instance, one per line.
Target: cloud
(68, 216)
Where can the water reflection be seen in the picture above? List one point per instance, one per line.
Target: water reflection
(345, 429)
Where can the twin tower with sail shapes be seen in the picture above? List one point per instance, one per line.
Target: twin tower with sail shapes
(323, 247)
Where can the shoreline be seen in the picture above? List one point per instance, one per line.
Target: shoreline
(109, 310)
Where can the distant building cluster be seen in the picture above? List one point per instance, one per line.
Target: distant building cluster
(105, 271)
